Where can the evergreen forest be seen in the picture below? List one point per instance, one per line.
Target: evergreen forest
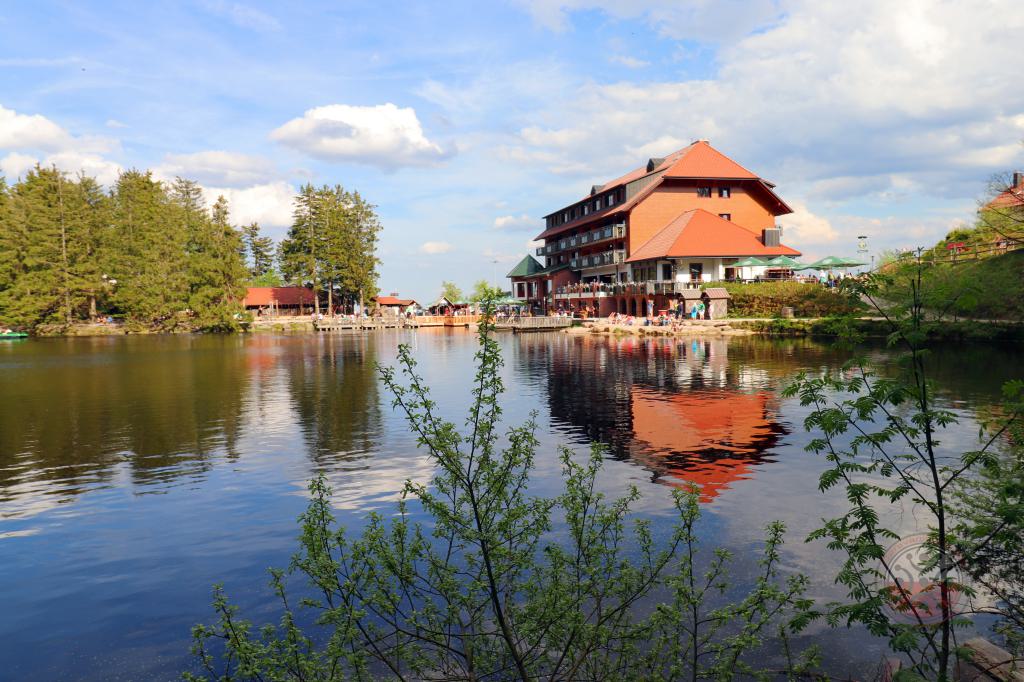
(153, 256)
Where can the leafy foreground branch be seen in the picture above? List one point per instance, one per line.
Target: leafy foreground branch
(498, 584)
(884, 438)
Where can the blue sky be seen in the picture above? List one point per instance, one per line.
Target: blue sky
(467, 122)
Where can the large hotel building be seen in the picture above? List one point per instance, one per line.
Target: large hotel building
(654, 234)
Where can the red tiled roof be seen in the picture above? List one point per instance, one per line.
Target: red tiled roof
(260, 296)
(392, 300)
(701, 160)
(1008, 198)
(697, 160)
(700, 233)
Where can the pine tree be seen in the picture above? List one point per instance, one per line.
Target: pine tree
(260, 251)
(39, 226)
(300, 250)
(332, 243)
(216, 271)
(89, 241)
(360, 267)
(148, 260)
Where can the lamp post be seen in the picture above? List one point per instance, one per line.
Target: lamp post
(862, 248)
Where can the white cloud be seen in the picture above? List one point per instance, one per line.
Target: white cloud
(384, 136)
(516, 222)
(38, 139)
(435, 247)
(917, 90)
(103, 170)
(221, 168)
(803, 227)
(269, 204)
(114, 123)
(15, 165)
(25, 131)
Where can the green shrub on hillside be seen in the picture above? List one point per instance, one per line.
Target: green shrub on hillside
(990, 288)
(766, 299)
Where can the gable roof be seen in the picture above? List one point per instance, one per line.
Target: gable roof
(701, 160)
(697, 233)
(698, 160)
(526, 267)
(393, 300)
(278, 296)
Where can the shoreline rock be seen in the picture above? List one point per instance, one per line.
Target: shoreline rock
(683, 328)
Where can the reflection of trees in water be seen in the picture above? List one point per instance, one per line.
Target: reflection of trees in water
(683, 409)
(333, 386)
(75, 409)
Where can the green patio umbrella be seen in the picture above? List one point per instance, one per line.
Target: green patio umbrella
(783, 262)
(831, 263)
(853, 262)
(749, 262)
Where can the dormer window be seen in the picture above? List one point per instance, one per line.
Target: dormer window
(597, 205)
(565, 217)
(609, 200)
(724, 192)
(704, 192)
(725, 216)
(584, 209)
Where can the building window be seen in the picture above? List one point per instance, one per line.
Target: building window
(565, 217)
(725, 216)
(609, 200)
(597, 205)
(666, 272)
(724, 192)
(584, 209)
(704, 192)
(521, 288)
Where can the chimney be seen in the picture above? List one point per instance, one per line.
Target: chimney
(771, 236)
(1018, 180)
(654, 163)
(594, 189)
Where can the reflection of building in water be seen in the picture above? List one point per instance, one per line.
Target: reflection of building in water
(679, 408)
(704, 438)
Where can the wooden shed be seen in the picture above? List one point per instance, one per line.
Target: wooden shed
(716, 299)
(689, 298)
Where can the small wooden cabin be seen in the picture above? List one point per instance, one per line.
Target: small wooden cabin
(716, 300)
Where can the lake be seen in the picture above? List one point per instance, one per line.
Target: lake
(135, 472)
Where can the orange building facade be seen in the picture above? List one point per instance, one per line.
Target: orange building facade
(677, 222)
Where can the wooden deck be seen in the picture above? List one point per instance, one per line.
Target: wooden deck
(341, 324)
(534, 324)
(344, 324)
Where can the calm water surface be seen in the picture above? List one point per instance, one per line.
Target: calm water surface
(137, 472)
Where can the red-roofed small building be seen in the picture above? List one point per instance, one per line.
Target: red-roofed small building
(394, 305)
(279, 300)
(676, 222)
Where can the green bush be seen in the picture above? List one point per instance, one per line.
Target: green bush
(766, 299)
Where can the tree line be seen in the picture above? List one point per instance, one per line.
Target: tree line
(154, 255)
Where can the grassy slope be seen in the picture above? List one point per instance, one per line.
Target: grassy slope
(990, 288)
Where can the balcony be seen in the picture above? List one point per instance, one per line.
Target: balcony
(616, 231)
(599, 259)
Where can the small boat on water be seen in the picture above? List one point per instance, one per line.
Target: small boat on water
(13, 335)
